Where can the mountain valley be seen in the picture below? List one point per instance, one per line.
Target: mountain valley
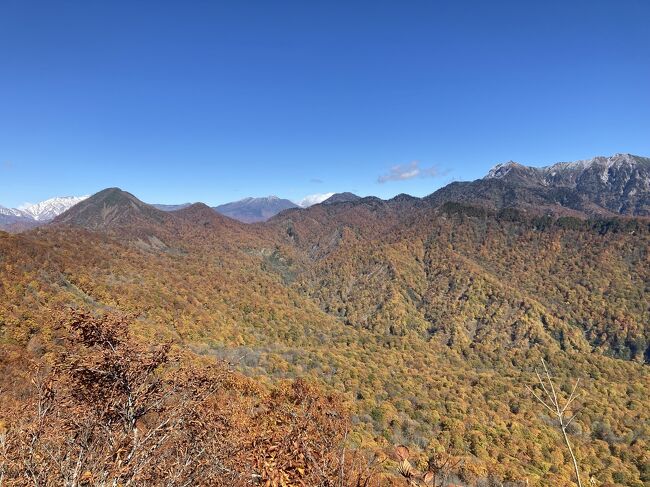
(425, 316)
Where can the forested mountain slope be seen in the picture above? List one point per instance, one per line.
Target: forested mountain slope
(589, 275)
(428, 318)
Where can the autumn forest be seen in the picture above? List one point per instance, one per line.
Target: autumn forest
(359, 343)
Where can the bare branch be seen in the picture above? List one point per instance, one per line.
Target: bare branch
(572, 396)
(541, 383)
(556, 410)
(570, 419)
(541, 401)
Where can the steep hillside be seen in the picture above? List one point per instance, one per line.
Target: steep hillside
(428, 319)
(111, 208)
(389, 277)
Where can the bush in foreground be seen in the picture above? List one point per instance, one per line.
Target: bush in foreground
(108, 410)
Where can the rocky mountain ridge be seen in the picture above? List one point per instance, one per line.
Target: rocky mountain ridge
(601, 186)
(615, 185)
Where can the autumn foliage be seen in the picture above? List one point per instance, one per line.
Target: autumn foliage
(109, 410)
(427, 320)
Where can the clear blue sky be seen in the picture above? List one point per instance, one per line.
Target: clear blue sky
(214, 101)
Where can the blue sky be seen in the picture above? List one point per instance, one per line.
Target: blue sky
(215, 101)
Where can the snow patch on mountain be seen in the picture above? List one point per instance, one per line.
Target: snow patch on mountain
(501, 170)
(603, 163)
(45, 210)
(13, 212)
(50, 208)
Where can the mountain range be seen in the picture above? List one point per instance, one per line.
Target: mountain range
(428, 315)
(619, 184)
(616, 185)
(247, 210)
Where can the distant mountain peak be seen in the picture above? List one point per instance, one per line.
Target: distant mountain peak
(258, 209)
(617, 160)
(33, 215)
(14, 212)
(345, 197)
(111, 207)
(201, 214)
(403, 197)
(50, 208)
(250, 199)
(165, 207)
(502, 169)
(198, 206)
(617, 184)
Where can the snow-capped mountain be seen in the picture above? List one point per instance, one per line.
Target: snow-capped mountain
(13, 212)
(14, 220)
(48, 209)
(617, 170)
(618, 184)
(32, 215)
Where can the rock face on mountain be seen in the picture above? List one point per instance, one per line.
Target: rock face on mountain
(111, 208)
(251, 210)
(619, 184)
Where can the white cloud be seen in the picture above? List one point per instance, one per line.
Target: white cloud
(313, 199)
(402, 172)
